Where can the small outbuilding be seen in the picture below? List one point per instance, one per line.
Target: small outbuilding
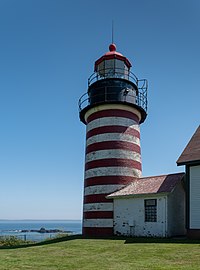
(151, 206)
(190, 157)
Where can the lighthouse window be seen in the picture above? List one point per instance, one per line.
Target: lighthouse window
(119, 68)
(150, 210)
(110, 68)
(101, 69)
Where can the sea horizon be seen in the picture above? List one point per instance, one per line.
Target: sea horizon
(30, 228)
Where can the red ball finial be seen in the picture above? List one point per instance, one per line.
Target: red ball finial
(112, 47)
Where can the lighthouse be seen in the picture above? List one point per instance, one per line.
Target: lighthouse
(112, 109)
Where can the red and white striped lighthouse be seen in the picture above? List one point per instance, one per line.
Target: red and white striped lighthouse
(112, 109)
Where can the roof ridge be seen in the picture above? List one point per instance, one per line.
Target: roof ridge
(160, 175)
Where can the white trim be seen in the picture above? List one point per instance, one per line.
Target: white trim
(194, 197)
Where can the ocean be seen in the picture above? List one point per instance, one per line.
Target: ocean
(15, 227)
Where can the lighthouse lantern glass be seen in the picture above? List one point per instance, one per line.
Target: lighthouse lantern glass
(113, 68)
(121, 69)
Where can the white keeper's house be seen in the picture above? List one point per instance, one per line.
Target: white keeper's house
(151, 206)
(191, 159)
(117, 199)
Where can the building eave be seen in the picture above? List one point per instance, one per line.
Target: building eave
(128, 196)
(189, 163)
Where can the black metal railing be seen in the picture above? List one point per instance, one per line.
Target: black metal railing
(136, 94)
(113, 72)
(127, 95)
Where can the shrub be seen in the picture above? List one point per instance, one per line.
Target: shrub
(10, 241)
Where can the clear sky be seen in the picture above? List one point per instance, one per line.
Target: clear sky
(47, 53)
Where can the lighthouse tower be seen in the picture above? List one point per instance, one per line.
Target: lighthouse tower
(112, 109)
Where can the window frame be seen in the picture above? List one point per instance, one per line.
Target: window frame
(150, 210)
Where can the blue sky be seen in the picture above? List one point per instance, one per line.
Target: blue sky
(47, 53)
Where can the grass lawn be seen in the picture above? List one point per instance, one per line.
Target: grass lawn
(77, 253)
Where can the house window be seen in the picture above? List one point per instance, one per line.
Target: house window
(150, 210)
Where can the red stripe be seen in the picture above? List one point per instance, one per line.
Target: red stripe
(113, 145)
(109, 180)
(98, 214)
(97, 232)
(96, 198)
(113, 112)
(113, 162)
(113, 129)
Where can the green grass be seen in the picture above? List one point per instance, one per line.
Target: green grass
(76, 253)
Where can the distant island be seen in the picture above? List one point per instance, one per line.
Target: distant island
(43, 230)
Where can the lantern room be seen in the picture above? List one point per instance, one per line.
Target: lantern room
(113, 82)
(112, 64)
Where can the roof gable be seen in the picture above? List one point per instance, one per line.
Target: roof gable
(150, 185)
(191, 153)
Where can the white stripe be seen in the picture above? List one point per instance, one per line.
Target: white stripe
(112, 121)
(101, 189)
(112, 153)
(113, 137)
(109, 171)
(106, 222)
(87, 207)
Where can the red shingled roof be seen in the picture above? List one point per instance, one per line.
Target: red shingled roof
(150, 185)
(191, 153)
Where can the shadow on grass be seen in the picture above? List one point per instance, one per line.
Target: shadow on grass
(150, 240)
(127, 240)
(154, 240)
